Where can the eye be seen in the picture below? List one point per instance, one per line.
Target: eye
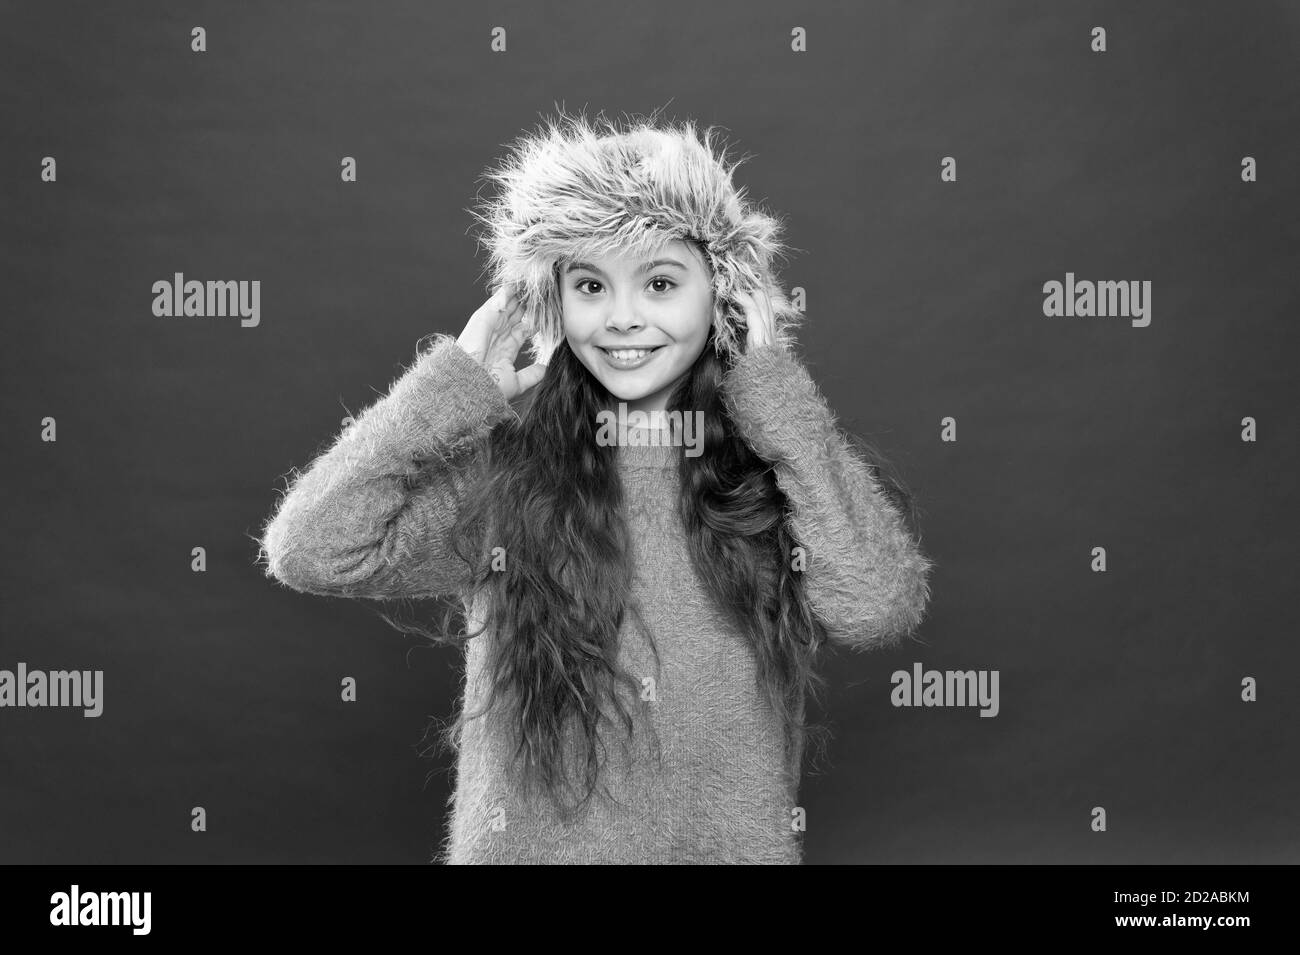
(664, 279)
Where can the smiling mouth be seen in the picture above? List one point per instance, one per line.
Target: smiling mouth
(630, 354)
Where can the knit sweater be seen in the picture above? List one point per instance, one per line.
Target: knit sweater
(722, 786)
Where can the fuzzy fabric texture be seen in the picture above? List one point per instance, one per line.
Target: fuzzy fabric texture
(578, 189)
(723, 787)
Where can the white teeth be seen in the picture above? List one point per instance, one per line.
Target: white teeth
(629, 355)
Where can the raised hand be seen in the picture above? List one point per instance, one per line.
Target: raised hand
(493, 336)
(760, 326)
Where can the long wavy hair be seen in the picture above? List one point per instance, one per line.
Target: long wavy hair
(560, 601)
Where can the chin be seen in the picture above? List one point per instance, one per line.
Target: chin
(628, 391)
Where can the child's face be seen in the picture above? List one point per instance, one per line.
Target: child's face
(638, 330)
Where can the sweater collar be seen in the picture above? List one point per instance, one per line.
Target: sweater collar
(649, 456)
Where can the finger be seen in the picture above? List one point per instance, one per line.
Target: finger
(493, 305)
(519, 334)
(500, 318)
(748, 308)
(509, 298)
(762, 308)
(506, 343)
(530, 376)
(505, 314)
(502, 304)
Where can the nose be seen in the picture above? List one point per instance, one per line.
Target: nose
(623, 318)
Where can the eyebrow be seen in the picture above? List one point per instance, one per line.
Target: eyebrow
(578, 266)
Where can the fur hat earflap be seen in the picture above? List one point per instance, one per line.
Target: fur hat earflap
(578, 189)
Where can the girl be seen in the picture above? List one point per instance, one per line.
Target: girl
(643, 602)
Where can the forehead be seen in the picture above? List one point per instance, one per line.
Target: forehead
(629, 261)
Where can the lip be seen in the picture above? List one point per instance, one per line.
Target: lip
(627, 365)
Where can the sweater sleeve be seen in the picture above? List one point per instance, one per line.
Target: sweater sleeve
(358, 522)
(866, 576)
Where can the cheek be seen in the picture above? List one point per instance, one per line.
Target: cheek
(692, 323)
(571, 321)
(702, 323)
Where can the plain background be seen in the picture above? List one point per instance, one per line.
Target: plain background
(1119, 690)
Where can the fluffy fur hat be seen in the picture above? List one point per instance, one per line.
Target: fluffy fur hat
(577, 189)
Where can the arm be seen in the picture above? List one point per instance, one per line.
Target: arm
(866, 576)
(354, 524)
